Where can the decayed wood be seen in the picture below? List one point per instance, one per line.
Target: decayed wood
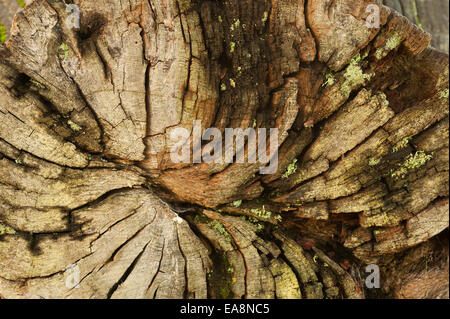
(87, 183)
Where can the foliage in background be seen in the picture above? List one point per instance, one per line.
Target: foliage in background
(2, 33)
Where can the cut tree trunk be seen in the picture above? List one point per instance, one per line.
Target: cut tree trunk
(92, 206)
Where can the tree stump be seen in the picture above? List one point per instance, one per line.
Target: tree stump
(92, 206)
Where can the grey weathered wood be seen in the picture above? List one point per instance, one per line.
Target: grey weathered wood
(87, 184)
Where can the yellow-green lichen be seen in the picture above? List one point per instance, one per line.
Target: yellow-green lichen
(235, 25)
(412, 161)
(223, 87)
(232, 46)
(265, 214)
(374, 161)
(220, 19)
(354, 76)
(291, 169)
(444, 94)
(278, 218)
(237, 203)
(402, 144)
(37, 84)
(265, 17)
(259, 226)
(201, 218)
(232, 83)
(21, 3)
(64, 51)
(74, 126)
(6, 230)
(262, 212)
(329, 79)
(391, 43)
(215, 224)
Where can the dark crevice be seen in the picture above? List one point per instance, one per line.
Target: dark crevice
(159, 267)
(126, 274)
(185, 292)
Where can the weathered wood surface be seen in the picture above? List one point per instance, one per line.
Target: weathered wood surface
(431, 15)
(86, 176)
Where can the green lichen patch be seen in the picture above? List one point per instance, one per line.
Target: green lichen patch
(230, 270)
(6, 230)
(74, 126)
(402, 144)
(444, 94)
(200, 218)
(265, 17)
(21, 3)
(232, 46)
(63, 51)
(215, 224)
(374, 161)
(329, 79)
(265, 214)
(259, 226)
(354, 76)
(261, 212)
(291, 169)
(392, 43)
(239, 71)
(37, 84)
(411, 162)
(235, 25)
(277, 217)
(237, 203)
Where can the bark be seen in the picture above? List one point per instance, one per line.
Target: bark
(88, 189)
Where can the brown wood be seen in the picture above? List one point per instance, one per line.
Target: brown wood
(88, 189)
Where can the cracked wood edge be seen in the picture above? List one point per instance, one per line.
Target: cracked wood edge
(68, 179)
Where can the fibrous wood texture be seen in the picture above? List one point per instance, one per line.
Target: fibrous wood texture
(87, 183)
